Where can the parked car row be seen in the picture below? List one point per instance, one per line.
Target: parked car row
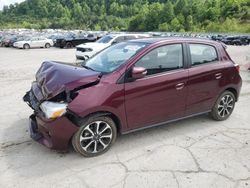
(89, 43)
(25, 38)
(232, 40)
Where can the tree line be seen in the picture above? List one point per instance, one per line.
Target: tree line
(130, 15)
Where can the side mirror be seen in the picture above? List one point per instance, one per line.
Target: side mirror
(138, 72)
(114, 42)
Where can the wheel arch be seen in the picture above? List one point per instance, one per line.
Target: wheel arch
(234, 91)
(47, 43)
(108, 114)
(26, 44)
(79, 120)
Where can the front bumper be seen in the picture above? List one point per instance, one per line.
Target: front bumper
(54, 134)
(17, 45)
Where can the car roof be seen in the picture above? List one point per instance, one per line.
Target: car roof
(174, 39)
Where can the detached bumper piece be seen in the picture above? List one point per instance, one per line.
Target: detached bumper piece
(54, 134)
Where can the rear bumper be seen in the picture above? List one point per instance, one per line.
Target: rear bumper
(54, 134)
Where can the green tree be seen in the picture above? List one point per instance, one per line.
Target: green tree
(132, 15)
(168, 12)
(164, 27)
(176, 25)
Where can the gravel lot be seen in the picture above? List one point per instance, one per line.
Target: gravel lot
(196, 152)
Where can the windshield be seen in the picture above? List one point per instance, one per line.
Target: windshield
(105, 39)
(113, 57)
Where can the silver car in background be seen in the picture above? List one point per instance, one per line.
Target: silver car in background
(34, 42)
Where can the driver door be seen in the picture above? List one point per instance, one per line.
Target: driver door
(161, 95)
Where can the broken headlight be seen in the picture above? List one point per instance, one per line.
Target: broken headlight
(53, 109)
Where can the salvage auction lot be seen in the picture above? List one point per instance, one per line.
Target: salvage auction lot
(196, 152)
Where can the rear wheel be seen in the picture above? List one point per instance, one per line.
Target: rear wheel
(69, 45)
(26, 46)
(224, 106)
(95, 136)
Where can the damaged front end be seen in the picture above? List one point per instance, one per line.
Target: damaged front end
(56, 85)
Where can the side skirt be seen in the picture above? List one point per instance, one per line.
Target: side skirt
(162, 123)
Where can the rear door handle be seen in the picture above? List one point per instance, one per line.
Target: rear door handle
(218, 76)
(180, 86)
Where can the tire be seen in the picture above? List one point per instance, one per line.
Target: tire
(26, 46)
(88, 142)
(69, 45)
(47, 45)
(224, 106)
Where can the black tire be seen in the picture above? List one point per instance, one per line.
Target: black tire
(47, 45)
(93, 144)
(69, 45)
(224, 106)
(26, 46)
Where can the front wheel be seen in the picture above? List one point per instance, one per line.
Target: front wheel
(47, 45)
(95, 136)
(224, 106)
(26, 46)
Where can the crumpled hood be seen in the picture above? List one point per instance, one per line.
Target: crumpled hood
(53, 78)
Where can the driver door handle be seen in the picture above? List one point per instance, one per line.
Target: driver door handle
(180, 86)
(218, 76)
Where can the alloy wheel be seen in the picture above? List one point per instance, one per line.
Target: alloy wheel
(96, 137)
(225, 106)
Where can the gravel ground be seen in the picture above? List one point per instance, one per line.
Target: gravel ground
(196, 152)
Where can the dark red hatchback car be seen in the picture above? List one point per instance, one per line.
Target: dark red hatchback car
(130, 86)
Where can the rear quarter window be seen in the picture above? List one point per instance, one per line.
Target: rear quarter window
(119, 39)
(202, 54)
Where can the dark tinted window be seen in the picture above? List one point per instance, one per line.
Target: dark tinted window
(119, 39)
(130, 37)
(162, 59)
(105, 39)
(202, 53)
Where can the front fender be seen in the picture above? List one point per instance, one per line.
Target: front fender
(101, 98)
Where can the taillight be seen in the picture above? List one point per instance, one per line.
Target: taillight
(237, 66)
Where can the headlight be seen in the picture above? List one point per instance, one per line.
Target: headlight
(53, 109)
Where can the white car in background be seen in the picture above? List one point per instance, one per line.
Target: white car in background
(86, 50)
(34, 42)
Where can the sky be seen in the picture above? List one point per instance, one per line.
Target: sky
(8, 2)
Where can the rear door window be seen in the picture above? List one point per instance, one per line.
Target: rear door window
(202, 54)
